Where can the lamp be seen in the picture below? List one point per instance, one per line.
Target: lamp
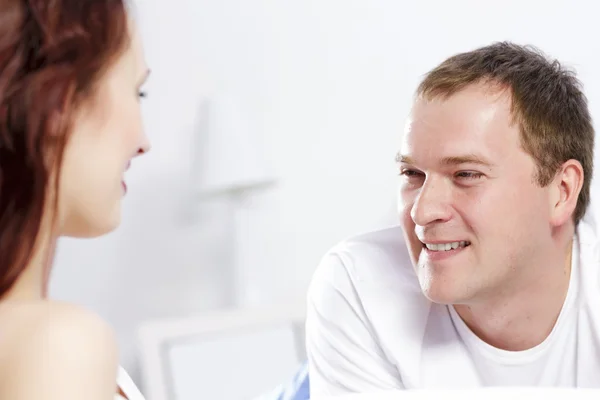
(230, 166)
(230, 162)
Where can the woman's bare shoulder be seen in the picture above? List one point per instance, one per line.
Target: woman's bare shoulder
(26, 322)
(68, 351)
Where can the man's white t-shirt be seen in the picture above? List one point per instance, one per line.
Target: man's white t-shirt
(370, 328)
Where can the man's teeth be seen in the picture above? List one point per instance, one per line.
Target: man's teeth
(446, 246)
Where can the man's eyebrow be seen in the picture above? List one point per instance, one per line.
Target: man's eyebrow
(403, 159)
(449, 161)
(466, 159)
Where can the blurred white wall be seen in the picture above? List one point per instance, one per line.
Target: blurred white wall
(328, 84)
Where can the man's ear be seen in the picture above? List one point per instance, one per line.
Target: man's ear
(564, 192)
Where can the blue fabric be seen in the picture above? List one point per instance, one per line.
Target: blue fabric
(296, 389)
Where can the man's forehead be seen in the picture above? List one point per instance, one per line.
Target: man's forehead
(468, 113)
(472, 96)
(480, 137)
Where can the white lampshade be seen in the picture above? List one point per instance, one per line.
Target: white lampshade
(229, 159)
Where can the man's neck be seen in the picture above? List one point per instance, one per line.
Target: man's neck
(522, 318)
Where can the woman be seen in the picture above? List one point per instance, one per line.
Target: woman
(71, 73)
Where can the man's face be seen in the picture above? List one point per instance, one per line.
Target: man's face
(472, 212)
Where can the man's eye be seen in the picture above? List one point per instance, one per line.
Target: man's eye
(410, 173)
(469, 175)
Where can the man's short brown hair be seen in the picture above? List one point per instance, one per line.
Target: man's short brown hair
(547, 102)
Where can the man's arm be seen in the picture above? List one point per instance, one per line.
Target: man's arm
(343, 353)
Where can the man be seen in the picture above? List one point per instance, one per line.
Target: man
(493, 278)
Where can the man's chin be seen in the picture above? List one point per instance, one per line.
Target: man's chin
(441, 289)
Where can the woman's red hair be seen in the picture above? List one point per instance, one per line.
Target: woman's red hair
(52, 53)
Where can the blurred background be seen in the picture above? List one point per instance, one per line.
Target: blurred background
(274, 127)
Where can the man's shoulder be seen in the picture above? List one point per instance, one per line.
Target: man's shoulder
(372, 260)
(365, 290)
(376, 255)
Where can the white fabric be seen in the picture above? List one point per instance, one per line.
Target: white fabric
(487, 393)
(127, 386)
(369, 327)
